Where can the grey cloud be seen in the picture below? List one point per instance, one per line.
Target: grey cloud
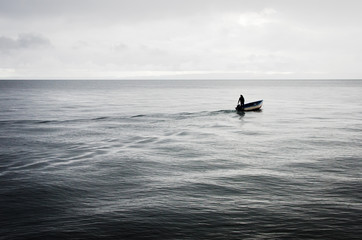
(23, 41)
(124, 9)
(82, 13)
(140, 55)
(120, 47)
(137, 8)
(121, 10)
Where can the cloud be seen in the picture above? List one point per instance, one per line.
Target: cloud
(6, 72)
(257, 18)
(120, 38)
(23, 41)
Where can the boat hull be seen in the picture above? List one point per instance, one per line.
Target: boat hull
(253, 106)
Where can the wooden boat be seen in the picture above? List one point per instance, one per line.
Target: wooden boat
(253, 106)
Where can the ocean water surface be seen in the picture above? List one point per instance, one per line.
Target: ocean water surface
(173, 160)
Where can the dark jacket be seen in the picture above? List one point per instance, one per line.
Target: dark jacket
(241, 100)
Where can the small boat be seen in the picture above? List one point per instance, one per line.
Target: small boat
(253, 106)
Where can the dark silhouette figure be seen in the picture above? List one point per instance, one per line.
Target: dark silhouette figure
(240, 103)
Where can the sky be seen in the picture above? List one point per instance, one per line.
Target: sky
(180, 39)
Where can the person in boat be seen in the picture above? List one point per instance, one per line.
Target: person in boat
(241, 102)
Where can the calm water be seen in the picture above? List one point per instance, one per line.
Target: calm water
(172, 160)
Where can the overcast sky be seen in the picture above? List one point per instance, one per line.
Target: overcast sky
(180, 39)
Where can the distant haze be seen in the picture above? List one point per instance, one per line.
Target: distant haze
(180, 39)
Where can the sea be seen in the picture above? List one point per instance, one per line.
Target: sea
(172, 159)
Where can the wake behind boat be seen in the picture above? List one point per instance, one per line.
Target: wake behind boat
(252, 106)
